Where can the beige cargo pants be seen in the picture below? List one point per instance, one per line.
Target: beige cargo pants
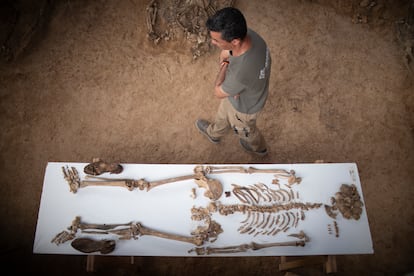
(244, 125)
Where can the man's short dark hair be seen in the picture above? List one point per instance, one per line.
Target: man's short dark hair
(230, 22)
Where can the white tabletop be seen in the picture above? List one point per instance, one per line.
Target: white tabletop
(167, 208)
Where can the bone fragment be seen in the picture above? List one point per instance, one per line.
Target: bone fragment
(297, 218)
(199, 213)
(330, 212)
(254, 217)
(246, 229)
(276, 182)
(268, 216)
(241, 197)
(285, 195)
(213, 187)
(193, 193)
(336, 229)
(275, 231)
(301, 235)
(282, 223)
(63, 237)
(264, 191)
(247, 217)
(263, 220)
(242, 226)
(277, 220)
(257, 219)
(292, 194)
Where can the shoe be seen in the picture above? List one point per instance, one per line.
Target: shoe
(202, 126)
(87, 245)
(247, 148)
(98, 167)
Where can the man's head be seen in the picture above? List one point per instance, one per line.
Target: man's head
(227, 25)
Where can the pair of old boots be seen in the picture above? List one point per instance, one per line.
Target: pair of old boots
(202, 126)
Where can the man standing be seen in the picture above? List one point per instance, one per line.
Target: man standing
(242, 83)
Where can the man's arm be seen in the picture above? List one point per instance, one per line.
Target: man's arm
(224, 55)
(224, 63)
(218, 91)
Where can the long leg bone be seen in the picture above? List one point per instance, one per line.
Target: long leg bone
(213, 187)
(240, 169)
(133, 230)
(289, 175)
(243, 247)
(197, 240)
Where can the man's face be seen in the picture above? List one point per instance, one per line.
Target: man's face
(219, 42)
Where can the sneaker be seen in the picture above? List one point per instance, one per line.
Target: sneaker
(247, 148)
(202, 126)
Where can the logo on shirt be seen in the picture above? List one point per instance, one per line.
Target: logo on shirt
(262, 74)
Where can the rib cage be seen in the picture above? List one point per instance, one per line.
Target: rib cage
(268, 211)
(257, 193)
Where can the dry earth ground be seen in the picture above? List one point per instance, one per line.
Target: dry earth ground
(93, 86)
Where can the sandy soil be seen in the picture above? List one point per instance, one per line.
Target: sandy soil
(94, 86)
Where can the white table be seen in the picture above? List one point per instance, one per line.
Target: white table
(168, 208)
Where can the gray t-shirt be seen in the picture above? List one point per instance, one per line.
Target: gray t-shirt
(248, 75)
